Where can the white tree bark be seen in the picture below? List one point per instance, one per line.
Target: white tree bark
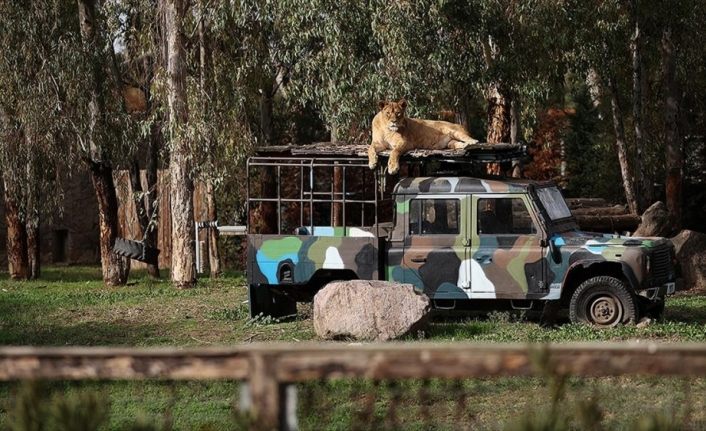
(182, 186)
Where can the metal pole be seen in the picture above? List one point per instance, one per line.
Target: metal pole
(343, 193)
(311, 195)
(279, 200)
(301, 195)
(247, 197)
(198, 247)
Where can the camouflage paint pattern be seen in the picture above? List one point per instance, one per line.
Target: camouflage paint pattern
(303, 254)
(462, 265)
(477, 266)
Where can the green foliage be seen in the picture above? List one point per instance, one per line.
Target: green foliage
(34, 410)
(592, 164)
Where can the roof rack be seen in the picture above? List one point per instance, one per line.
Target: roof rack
(474, 153)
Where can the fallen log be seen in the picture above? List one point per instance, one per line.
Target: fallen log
(608, 223)
(586, 202)
(597, 211)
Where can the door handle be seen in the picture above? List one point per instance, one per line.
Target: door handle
(486, 259)
(419, 259)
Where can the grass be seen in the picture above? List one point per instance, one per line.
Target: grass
(70, 306)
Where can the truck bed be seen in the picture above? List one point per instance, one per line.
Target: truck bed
(297, 258)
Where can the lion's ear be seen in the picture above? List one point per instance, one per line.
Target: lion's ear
(381, 104)
(403, 103)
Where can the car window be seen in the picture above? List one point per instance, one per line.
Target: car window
(553, 202)
(504, 216)
(433, 217)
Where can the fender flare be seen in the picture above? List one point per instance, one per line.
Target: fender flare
(624, 268)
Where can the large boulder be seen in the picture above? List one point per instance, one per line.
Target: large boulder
(690, 247)
(369, 310)
(655, 221)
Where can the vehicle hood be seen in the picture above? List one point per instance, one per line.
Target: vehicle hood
(597, 242)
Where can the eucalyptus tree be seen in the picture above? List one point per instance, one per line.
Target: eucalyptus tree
(333, 59)
(181, 185)
(601, 34)
(139, 59)
(32, 146)
(98, 118)
(677, 31)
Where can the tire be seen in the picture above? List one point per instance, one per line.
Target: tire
(263, 301)
(135, 250)
(603, 302)
(128, 248)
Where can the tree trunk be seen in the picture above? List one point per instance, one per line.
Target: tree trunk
(643, 184)
(143, 206)
(152, 197)
(33, 250)
(515, 134)
(214, 262)
(17, 258)
(182, 186)
(32, 222)
(674, 156)
(115, 268)
(499, 120)
(266, 112)
(499, 116)
(620, 145)
(214, 259)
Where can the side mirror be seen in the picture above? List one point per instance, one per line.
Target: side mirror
(554, 250)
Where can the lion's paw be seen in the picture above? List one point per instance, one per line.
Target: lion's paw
(372, 165)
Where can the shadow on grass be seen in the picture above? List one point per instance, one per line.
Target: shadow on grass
(71, 274)
(81, 334)
(685, 314)
(461, 328)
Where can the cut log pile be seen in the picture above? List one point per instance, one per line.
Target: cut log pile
(595, 214)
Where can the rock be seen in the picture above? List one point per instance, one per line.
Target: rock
(690, 247)
(644, 322)
(369, 310)
(655, 222)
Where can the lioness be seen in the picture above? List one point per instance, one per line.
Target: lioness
(392, 130)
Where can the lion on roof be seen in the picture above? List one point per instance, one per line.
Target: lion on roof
(392, 130)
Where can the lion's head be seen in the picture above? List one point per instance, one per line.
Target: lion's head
(393, 113)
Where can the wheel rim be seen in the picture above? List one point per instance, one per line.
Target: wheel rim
(605, 310)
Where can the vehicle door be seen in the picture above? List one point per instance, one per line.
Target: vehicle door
(507, 258)
(435, 245)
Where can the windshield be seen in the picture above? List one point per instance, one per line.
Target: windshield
(553, 202)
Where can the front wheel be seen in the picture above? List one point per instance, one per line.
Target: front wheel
(603, 302)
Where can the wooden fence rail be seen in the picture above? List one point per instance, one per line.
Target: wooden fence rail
(269, 368)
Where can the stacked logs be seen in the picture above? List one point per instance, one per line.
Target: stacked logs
(596, 215)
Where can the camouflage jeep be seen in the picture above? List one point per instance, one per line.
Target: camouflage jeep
(473, 243)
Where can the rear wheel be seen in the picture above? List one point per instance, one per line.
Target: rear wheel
(603, 302)
(263, 301)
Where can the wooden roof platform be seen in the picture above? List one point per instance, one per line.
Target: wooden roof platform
(481, 152)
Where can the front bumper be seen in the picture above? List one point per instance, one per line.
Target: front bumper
(655, 293)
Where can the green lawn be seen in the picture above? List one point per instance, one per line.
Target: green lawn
(70, 306)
